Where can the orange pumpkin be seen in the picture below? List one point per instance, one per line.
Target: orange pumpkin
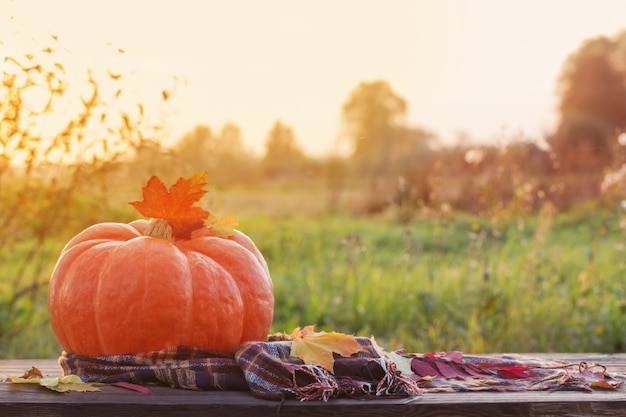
(116, 290)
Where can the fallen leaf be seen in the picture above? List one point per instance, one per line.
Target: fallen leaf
(453, 355)
(597, 378)
(449, 365)
(424, 369)
(133, 387)
(403, 363)
(514, 372)
(377, 347)
(57, 383)
(318, 348)
(32, 373)
(301, 332)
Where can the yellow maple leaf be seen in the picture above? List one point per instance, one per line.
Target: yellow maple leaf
(318, 348)
(222, 226)
(55, 383)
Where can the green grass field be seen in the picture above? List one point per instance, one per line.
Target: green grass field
(443, 281)
(536, 284)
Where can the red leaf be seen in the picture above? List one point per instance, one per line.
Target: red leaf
(447, 370)
(176, 206)
(133, 387)
(514, 372)
(454, 356)
(451, 365)
(475, 371)
(424, 369)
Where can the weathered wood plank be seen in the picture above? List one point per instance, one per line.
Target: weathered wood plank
(29, 400)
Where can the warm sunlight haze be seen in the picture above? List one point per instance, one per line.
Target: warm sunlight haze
(482, 69)
(447, 175)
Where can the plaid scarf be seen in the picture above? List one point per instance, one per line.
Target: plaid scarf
(181, 367)
(264, 368)
(268, 371)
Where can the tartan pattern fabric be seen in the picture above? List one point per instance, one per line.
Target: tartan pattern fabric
(264, 368)
(272, 373)
(179, 367)
(268, 371)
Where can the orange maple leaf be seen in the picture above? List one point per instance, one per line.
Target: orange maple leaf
(175, 205)
(318, 348)
(301, 332)
(32, 373)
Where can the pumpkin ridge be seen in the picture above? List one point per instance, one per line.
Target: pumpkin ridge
(57, 291)
(258, 296)
(97, 299)
(104, 231)
(187, 328)
(228, 338)
(84, 269)
(244, 241)
(97, 326)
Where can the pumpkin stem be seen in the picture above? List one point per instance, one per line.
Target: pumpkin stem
(161, 229)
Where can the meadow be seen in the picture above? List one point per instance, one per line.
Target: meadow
(439, 280)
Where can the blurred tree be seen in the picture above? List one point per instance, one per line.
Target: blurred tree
(413, 160)
(336, 180)
(230, 143)
(374, 123)
(283, 155)
(223, 156)
(234, 163)
(193, 150)
(152, 158)
(592, 110)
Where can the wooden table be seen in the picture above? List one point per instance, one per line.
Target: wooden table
(33, 400)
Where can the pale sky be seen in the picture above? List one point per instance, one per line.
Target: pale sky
(484, 67)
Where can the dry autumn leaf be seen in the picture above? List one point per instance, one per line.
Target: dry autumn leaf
(32, 373)
(318, 348)
(175, 205)
(403, 363)
(133, 387)
(222, 226)
(54, 383)
(301, 332)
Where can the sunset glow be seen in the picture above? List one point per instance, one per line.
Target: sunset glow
(484, 68)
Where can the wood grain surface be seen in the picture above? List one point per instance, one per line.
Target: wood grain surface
(32, 400)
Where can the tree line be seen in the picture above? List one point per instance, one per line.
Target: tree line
(394, 162)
